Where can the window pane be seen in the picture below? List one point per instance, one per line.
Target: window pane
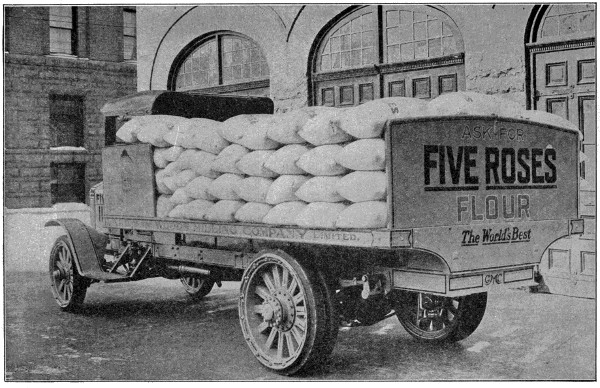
(129, 23)
(435, 47)
(346, 44)
(434, 29)
(68, 182)
(129, 43)
(60, 41)
(66, 120)
(428, 36)
(392, 18)
(61, 17)
(242, 60)
(421, 49)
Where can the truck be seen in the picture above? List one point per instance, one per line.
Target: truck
(473, 202)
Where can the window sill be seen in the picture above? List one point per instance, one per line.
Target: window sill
(68, 149)
(132, 61)
(66, 56)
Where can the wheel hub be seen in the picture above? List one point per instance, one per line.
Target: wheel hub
(278, 310)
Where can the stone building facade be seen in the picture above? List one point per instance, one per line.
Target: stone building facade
(541, 56)
(61, 64)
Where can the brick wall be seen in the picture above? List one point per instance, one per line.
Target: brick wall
(30, 78)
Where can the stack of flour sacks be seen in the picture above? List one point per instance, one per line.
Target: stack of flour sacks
(314, 167)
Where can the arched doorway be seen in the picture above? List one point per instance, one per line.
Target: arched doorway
(560, 48)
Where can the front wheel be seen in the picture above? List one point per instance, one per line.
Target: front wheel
(197, 287)
(435, 318)
(68, 287)
(284, 313)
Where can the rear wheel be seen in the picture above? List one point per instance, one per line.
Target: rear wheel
(435, 318)
(197, 287)
(68, 287)
(284, 314)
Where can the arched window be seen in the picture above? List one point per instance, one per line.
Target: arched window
(386, 51)
(568, 20)
(221, 63)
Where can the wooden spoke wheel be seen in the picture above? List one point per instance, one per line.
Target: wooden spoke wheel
(285, 317)
(435, 318)
(68, 287)
(197, 286)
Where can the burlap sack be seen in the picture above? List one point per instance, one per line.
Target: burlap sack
(160, 184)
(321, 161)
(179, 211)
(206, 135)
(254, 164)
(197, 209)
(252, 212)
(180, 197)
(224, 186)
(370, 214)
(179, 136)
(285, 213)
(223, 211)
(164, 206)
(184, 177)
(198, 188)
(283, 161)
(320, 215)
(360, 186)
(473, 104)
(324, 127)
(320, 189)
(253, 189)
(363, 155)
(368, 120)
(284, 188)
(153, 128)
(198, 161)
(249, 131)
(158, 158)
(227, 159)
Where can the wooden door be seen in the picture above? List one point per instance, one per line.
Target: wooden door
(565, 84)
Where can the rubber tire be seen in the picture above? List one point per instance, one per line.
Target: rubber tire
(317, 344)
(471, 310)
(206, 286)
(80, 284)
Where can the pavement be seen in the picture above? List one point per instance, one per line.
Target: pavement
(151, 330)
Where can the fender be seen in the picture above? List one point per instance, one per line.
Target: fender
(87, 244)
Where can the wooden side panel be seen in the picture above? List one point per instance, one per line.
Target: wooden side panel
(129, 180)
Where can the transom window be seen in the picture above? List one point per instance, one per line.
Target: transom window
(223, 62)
(565, 20)
(387, 51)
(62, 31)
